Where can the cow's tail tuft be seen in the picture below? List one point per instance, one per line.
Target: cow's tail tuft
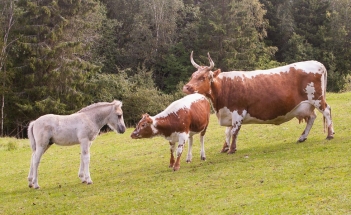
(31, 136)
(325, 96)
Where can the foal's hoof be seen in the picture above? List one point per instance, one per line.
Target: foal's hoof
(301, 140)
(188, 161)
(176, 168)
(203, 158)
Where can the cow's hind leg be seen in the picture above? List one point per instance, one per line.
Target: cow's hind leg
(328, 118)
(326, 111)
(309, 125)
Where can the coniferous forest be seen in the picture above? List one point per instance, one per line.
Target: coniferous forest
(57, 56)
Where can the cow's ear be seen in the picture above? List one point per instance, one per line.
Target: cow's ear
(148, 119)
(216, 73)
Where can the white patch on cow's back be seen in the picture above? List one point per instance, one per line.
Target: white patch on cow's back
(306, 66)
(310, 90)
(183, 103)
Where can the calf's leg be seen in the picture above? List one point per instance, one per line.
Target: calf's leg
(189, 157)
(182, 139)
(172, 149)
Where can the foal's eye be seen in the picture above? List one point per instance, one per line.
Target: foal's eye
(119, 116)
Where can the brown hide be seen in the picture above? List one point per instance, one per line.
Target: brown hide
(194, 119)
(265, 96)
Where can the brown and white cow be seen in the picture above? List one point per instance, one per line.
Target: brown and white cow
(272, 96)
(178, 123)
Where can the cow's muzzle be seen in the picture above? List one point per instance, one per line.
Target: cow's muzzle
(188, 89)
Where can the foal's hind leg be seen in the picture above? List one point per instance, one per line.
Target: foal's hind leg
(35, 165)
(30, 174)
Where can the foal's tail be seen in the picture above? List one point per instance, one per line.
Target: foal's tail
(31, 136)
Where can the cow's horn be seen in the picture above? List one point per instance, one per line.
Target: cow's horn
(192, 61)
(211, 61)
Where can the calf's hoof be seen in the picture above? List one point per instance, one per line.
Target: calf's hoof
(231, 151)
(224, 150)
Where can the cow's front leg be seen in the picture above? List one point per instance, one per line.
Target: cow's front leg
(85, 161)
(237, 120)
(228, 136)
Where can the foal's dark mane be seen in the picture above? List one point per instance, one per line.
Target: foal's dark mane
(92, 106)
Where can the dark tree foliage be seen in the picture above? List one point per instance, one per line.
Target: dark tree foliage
(51, 58)
(68, 54)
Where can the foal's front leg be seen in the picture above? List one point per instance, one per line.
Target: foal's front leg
(84, 173)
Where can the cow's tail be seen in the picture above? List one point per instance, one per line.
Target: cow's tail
(31, 136)
(325, 97)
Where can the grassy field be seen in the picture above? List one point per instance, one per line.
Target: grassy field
(269, 174)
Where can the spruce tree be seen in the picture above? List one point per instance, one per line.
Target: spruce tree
(53, 56)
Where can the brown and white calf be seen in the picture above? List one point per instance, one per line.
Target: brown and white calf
(272, 96)
(178, 123)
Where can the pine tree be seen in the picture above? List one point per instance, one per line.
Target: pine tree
(52, 57)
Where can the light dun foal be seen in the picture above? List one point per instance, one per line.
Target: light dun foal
(81, 128)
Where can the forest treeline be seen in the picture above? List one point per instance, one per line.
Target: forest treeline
(58, 56)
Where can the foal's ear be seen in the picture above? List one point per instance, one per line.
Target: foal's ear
(117, 103)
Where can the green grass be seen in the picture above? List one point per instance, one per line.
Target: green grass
(269, 174)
